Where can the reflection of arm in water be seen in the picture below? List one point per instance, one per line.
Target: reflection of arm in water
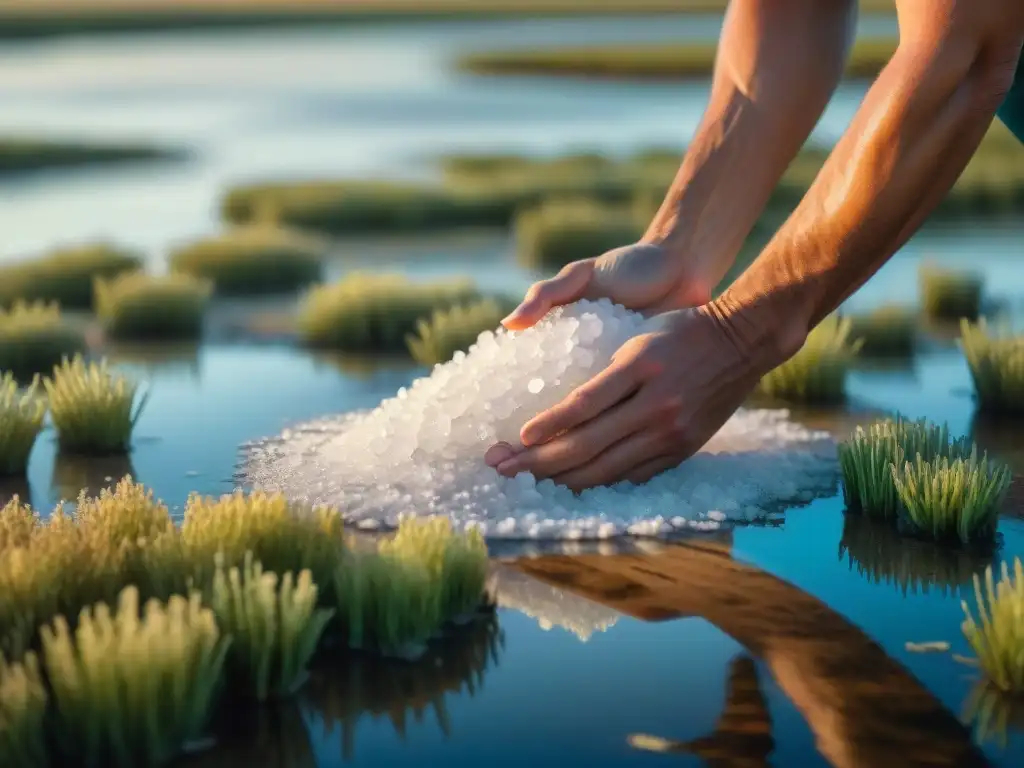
(778, 63)
(666, 393)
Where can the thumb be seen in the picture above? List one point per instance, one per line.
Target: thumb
(567, 286)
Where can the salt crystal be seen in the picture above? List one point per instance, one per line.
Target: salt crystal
(429, 441)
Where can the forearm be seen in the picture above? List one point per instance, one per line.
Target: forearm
(779, 62)
(916, 130)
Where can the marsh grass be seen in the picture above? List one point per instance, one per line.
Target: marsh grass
(21, 421)
(996, 363)
(133, 686)
(65, 275)
(879, 553)
(950, 294)
(23, 702)
(674, 61)
(368, 313)
(887, 332)
(253, 260)
(867, 458)
(997, 636)
(955, 499)
(21, 155)
(137, 306)
(351, 207)
(274, 623)
(454, 330)
(35, 337)
(816, 375)
(551, 235)
(93, 408)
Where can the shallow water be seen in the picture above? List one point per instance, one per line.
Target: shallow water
(351, 101)
(549, 695)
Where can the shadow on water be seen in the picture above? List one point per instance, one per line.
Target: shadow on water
(73, 475)
(864, 708)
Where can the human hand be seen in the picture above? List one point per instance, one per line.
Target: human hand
(664, 394)
(646, 277)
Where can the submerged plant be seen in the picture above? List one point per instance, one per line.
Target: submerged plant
(92, 407)
(141, 306)
(283, 537)
(950, 294)
(956, 498)
(457, 563)
(35, 337)
(817, 373)
(453, 330)
(274, 623)
(997, 637)
(134, 687)
(889, 331)
(867, 459)
(996, 363)
(23, 742)
(21, 421)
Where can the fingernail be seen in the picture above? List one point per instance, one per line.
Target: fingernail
(511, 316)
(498, 453)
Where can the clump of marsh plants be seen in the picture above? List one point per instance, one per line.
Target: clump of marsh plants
(950, 294)
(274, 623)
(996, 362)
(138, 306)
(560, 231)
(35, 337)
(93, 409)
(253, 260)
(21, 421)
(887, 332)
(375, 313)
(952, 498)
(135, 685)
(997, 635)
(816, 375)
(866, 461)
(283, 537)
(23, 700)
(454, 330)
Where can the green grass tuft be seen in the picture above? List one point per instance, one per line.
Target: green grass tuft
(36, 337)
(889, 331)
(555, 233)
(454, 330)
(253, 260)
(867, 459)
(817, 373)
(274, 623)
(367, 313)
(93, 408)
(21, 421)
(136, 306)
(132, 687)
(950, 294)
(21, 155)
(997, 636)
(996, 362)
(349, 207)
(65, 275)
(952, 499)
(23, 702)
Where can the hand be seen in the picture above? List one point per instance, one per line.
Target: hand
(664, 394)
(646, 277)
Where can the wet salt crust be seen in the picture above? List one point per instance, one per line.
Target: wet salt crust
(421, 452)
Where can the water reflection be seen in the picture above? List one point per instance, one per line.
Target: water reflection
(863, 707)
(341, 692)
(743, 734)
(273, 736)
(994, 714)
(159, 359)
(73, 475)
(877, 552)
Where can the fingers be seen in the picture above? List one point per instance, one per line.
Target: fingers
(498, 453)
(577, 447)
(606, 389)
(567, 286)
(640, 449)
(644, 472)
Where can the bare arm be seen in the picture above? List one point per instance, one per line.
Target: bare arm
(912, 137)
(779, 62)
